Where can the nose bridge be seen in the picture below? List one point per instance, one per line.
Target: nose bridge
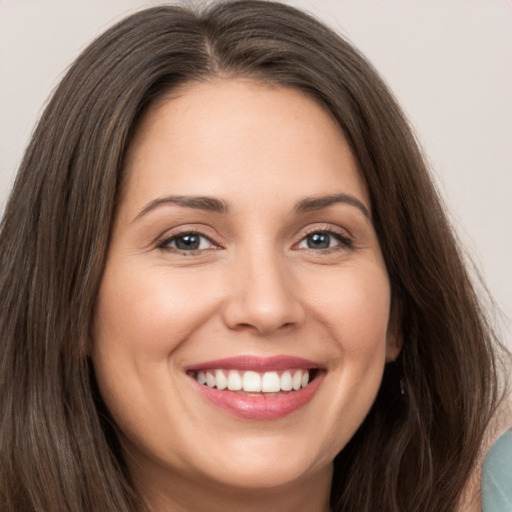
(264, 296)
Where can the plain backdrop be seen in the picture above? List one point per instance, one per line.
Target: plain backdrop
(449, 63)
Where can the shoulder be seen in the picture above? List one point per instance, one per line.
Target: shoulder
(495, 453)
(497, 475)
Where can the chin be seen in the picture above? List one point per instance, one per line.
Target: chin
(264, 461)
(257, 474)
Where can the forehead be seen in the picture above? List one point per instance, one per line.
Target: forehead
(239, 137)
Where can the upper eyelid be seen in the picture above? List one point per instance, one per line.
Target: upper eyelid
(304, 232)
(185, 229)
(345, 238)
(164, 240)
(325, 228)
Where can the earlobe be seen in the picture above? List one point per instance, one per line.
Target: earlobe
(394, 338)
(394, 344)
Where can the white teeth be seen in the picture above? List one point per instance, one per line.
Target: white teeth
(297, 380)
(270, 383)
(210, 380)
(220, 379)
(234, 381)
(286, 381)
(251, 382)
(254, 382)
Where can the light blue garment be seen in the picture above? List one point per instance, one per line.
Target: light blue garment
(497, 476)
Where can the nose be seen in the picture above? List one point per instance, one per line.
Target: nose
(264, 296)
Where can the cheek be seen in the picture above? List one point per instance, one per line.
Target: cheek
(354, 303)
(360, 332)
(150, 312)
(354, 308)
(143, 318)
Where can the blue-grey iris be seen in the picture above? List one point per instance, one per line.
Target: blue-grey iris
(318, 241)
(188, 242)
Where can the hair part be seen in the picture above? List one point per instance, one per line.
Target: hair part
(58, 447)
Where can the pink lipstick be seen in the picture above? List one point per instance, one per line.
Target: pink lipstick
(258, 388)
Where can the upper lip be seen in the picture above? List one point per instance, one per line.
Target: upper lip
(257, 364)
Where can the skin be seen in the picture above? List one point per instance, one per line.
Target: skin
(254, 287)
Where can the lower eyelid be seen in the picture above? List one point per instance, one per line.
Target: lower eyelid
(164, 244)
(343, 240)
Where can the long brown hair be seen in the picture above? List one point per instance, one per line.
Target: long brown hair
(59, 452)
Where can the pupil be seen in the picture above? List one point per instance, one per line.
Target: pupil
(318, 241)
(187, 242)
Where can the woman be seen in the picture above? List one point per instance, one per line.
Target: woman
(229, 284)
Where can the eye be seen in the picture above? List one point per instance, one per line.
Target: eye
(321, 240)
(187, 242)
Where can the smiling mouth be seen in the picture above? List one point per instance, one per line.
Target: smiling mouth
(248, 382)
(258, 388)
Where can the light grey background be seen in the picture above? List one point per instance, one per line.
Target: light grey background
(449, 63)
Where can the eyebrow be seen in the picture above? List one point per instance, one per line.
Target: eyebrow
(317, 203)
(209, 204)
(212, 204)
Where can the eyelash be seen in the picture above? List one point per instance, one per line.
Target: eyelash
(345, 242)
(164, 244)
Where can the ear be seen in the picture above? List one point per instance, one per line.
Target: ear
(394, 338)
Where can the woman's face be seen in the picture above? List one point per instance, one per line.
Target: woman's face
(243, 253)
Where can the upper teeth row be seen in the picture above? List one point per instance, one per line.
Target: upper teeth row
(267, 382)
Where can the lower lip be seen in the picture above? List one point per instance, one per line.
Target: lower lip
(254, 407)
